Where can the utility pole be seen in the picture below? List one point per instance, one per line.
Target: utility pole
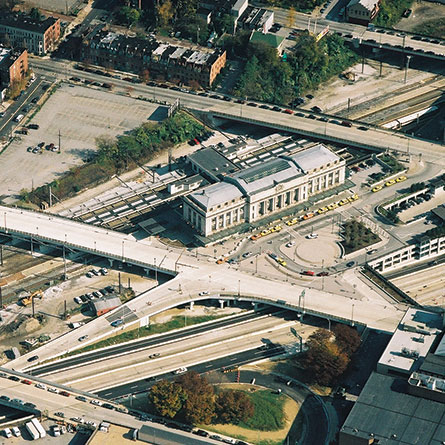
(60, 141)
(408, 58)
(1, 255)
(50, 197)
(1, 298)
(120, 284)
(64, 263)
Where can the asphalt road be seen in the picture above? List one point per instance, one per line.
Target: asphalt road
(240, 359)
(144, 343)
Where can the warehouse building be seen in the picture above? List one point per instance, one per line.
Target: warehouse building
(105, 304)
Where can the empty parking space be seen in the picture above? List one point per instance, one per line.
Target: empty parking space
(73, 117)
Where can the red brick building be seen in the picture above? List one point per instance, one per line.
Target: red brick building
(13, 65)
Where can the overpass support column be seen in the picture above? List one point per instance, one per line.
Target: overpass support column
(110, 262)
(192, 304)
(221, 304)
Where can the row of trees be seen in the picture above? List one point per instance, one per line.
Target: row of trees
(193, 400)
(269, 78)
(116, 154)
(329, 353)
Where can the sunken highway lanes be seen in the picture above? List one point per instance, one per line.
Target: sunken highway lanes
(230, 361)
(124, 348)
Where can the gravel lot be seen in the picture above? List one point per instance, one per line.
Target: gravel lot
(81, 114)
(422, 12)
(54, 5)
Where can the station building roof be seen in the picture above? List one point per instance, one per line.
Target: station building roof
(314, 157)
(215, 194)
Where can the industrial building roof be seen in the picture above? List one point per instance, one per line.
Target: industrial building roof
(314, 157)
(214, 164)
(411, 341)
(104, 303)
(264, 176)
(270, 39)
(434, 363)
(385, 411)
(215, 194)
(439, 212)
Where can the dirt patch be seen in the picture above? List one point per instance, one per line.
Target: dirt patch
(168, 315)
(423, 16)
(291, 410)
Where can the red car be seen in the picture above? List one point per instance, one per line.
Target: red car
(64, 393)
(27, 382)
(288, 111)
(308, 272)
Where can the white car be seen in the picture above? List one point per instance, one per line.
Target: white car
(180, 370)
(290, 244)
(204, 292)
(40, 386)
(54, 390)
(7, 433)
(91, 423)
(312, 236)
(96, 402)
(16, 431)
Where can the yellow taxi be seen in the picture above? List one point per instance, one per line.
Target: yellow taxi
(343, 202)
(354, 197)
(281, 262)
(390, 182)
(332, 206)
(322, 210)
(401, 179)
(265, 232)
(308, 215)
(292, 221)
(377, 188)
(275, 229)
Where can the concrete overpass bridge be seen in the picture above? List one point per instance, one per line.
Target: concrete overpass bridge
(374, 138)
(191, 276)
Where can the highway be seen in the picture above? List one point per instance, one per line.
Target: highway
(145, 343)
(394, 40)
(193, 275)
(231, 361)
(373, 138)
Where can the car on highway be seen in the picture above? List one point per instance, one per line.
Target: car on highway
(281, 262)
(350, 263)
(27, 382)
(401, 179)
(81, 398)
(78, 419)
(33, 358)
(18, 401)
(155, 355)
(83, 338)
(5, 398)
(181, 370)
(14, 378)
(65, 393)
(53, 390)
(312, 236)
(96, 402)
(377, 188)
(322, 274)
(204, 292)
(308, 272)
(246, 254)
(117, 322)
(290, 244)
(322, 210)
(59, 414)
(390, 182)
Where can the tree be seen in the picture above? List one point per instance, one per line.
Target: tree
(144, 75)
(128, 16)
(35, 14)
(165, 12)
(167, 397)
(323, 360)
(290, 22)
(347, 338)
(200, 404)
(234, 407)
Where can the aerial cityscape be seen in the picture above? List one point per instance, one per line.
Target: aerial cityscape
(222, 221)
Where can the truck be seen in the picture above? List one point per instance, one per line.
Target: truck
(32, 431)
(39, 427)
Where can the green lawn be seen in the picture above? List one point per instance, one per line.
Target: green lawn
(269, 415)
(357, 236)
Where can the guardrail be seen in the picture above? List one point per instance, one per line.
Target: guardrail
(122, 258)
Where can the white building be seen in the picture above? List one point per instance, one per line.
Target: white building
(256, 192)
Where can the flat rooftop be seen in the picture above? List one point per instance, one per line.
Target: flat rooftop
(411, 341)
(385, 411)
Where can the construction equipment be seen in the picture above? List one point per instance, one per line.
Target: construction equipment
(25, 301)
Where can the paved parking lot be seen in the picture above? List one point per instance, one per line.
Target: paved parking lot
(81, 115)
